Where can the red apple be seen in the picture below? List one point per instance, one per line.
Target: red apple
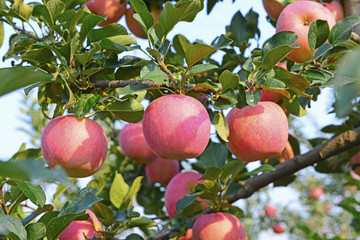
(287, 153)
(218, 226)
(113, 9)
(297, 17)
(133, 144)
(176, 127)
(336, 9)
(317, 193)
(270, 96)
(188, 236)
(273, 8)
(257, 133)
(356, 160)
(162, 170)
(77, 229)
(270, 210)
(278, 229)
(78, 145)
(179, 186)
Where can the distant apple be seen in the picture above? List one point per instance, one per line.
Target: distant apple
(133, 144)
(297, 17)
(278, 229)
(317, 193)
(270, 210)
(218, 226)
(257, 133)
(162, 170)
(113, 9)
(176, 127)
(336, 9)
(77, 145)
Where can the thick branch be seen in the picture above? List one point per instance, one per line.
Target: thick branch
(339, 144)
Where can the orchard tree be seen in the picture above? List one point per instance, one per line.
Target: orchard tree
(81, 64)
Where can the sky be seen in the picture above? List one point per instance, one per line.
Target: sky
(206, 28)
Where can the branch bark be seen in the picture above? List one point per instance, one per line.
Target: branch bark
(332, 147)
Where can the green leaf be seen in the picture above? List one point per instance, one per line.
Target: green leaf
(184, 10)
(153, 72)
(49, 12)
(241, 98)
(212, 173)
(14, 78)
(58, 224)
(34, 193)
(132, 192)
(221, 125)
(1, 33)
(142, 15)
(11, 225)
(262, 168)
(200, 68)
(253, 98)
(20, 10)
(118, 190)
(225, 99)
(134, 236)
(89, 22)
(294, 81)
(214, 155)
(318, 34)
(243, 28)
(180, 43)
(229, 80)
(342, 30)
(140, 222)
(196, 52)
(110, 30)
(321, 51)
(132, 89)
(274, 83)
(293, 106)
(186, 201)
(85, 103)
(36, 231)
(284, 38)
(83, 200)
(275, 55)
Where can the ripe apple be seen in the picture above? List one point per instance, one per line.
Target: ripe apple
(287, 153)
(356, 160)
(278, 229)
(113, 9)
(134, 25)
(336, 9)
(133, 144)
(162, 170)
(176, 127)
(297, 17)
(317, 193)
(78, 145)
(218, 226)
(77, 229)
(273, 8)
(270, 210)
(188, 236)
(182, 184)
(257, 133)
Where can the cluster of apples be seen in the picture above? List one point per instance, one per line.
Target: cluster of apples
(115, 10)
(270, 211)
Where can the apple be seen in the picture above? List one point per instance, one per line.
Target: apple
(287, 153)
(180, 185)
(278, 229)
(78, 145)
(297, 17)
(133, 144)
(336, 9)
(270, 96)
(317, 193)
(218, 226)
(176, 127)
(134, 25)
(188, 236)
(77, 229)
(273, 8)
(162, 170)
(270, 210)
(257, 132)
(355, 160)
(113, 9)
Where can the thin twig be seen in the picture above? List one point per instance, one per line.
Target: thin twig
(21, 30)
(3, 204)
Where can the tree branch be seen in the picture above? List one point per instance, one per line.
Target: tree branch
(332, 147)
(21, 30)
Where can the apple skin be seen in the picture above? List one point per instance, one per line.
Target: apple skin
(278, 229)
(317, 193)
(77, 229)
(176, 127)
(133, 144)
(162, 170)
(188, 236)
(257, 133)
(180, 185)
(270, 210)
(113, 9)
(287, 154)
(218, 226)
(297, 17)
(356, 160)
(134, 25)
(336, 9)
(273, 8)
(79, 146)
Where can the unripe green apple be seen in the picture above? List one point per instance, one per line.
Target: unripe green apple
(77, 145)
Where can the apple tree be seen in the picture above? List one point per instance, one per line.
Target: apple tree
(158, 140)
